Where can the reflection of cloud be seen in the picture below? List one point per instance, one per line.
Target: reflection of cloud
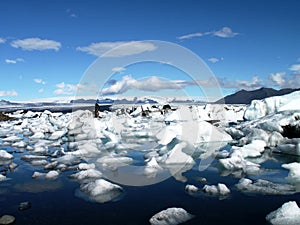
(38, 186)
(30, 44)
(117, 48)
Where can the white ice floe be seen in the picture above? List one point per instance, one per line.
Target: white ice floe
(19, 144)
(12, 138)
(101, 190)
(265, 187)
(51, 175)
(218, 190)
(294, 174)
(86, 166)
(5, 155)
(191, 189)
(87, 175)
(113, 162)
(38, 174)
(58, 134)
(171, 216)
(287, 214)
(236, 161)
(2, 177)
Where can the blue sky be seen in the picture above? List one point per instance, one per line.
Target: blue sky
(47, 46)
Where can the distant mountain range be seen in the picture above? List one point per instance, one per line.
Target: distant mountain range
(245, 97)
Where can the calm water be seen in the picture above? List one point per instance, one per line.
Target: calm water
(60, 201)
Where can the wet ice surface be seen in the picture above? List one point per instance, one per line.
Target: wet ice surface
(124, 169)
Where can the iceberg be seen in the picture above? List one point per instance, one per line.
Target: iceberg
(287, 214)
(294, 174)
(101, 190)
(5, 155)
(171, 216)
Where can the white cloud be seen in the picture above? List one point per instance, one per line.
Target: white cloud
(213, 60)
(253, 84)
(118, 48)
(2, 40)
(277, 78)
(67, 89)
(14, 61)
(41, 90)
(30, 44)
(295, 68)
(118, 69)
(283, 80)
(39, 81)
(150, 84)
(8, 93)
(189, 36)
(224, 32)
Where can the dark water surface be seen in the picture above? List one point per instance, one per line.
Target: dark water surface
(60, 201)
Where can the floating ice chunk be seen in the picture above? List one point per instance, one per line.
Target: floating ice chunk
(69, 160)
(287, 214)
(2, 177)
(265, 187)
(87, 174)
(57, 134)
(254, 149)
(19, 144)
(38, 135)
(220, 189)
(12, 139)
(38, 174)
(177, 156)
(191, 189)
(289, 148)
(234, 133)
(101, 190)
(38, 162)
(5, 155)
(294, 174)
(275, 139)
(236, 161)
(29, 158)
(86, 166)
(171, 216)
(51, 166)
(114, 162)
(51, 175)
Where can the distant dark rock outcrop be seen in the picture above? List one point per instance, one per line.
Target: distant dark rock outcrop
(245, 97)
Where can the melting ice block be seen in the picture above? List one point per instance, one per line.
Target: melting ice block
(220, 189)
(287, 214)
(87, 174)
(171, 216)
(294, 174)
(5, 155)
(101, 190)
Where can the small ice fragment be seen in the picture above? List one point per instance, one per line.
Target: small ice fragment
(191, 188)
(5, 155)
(171, 216)
(287, 214)
(87, 174)
(38, 174)
(86, 166)
(51, 175)
(2, 177)
(220, 189)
